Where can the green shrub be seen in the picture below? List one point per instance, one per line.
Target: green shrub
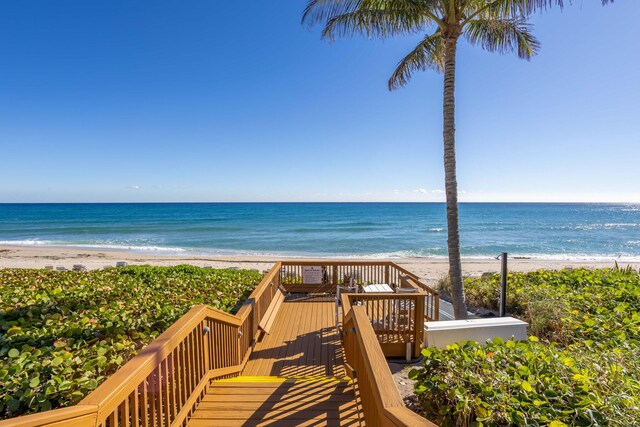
(527, 383)
(560, 305)
(585, 371)
(63, 333)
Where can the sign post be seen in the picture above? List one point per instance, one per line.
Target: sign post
(503, 285)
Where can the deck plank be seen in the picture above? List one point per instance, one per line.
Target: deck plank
(303, 341)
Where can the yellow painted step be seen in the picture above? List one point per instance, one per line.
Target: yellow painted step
(272, 379)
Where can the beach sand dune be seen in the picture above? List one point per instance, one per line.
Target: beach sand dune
(429, 269)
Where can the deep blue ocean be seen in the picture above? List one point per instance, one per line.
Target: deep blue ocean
(546, 231)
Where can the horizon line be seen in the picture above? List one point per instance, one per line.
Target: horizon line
(317, 202)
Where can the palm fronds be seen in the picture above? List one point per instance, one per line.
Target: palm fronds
(503, 36)
(372, 23)
(495, 25)
(428, 54)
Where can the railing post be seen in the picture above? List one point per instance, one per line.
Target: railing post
(206, 341)
(276, 282)
(419, 325)
(386, 275)
(239, 345)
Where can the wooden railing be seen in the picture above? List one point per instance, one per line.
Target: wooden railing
(254, 309)
(162, 384)
(432, 302)
(291, 274)
(396, 320)
(363, 272)
(381, 402)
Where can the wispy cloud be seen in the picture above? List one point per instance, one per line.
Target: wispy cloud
(134, 187)
(425, 191)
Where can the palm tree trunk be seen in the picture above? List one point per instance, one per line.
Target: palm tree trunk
(451, 183)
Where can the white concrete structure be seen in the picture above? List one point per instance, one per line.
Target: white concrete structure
(440, 334)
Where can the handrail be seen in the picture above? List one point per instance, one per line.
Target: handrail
(272, 275)
(405, 271)
(111, 393)
(321, 262)
(167, 378)
(381, 401)
(78, 415)
(254, 308)
(432, 304)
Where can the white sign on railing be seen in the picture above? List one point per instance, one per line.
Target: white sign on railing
(312, 275)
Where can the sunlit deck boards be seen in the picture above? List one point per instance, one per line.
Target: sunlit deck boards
(294, 376)
(303, 341)
(264, 401)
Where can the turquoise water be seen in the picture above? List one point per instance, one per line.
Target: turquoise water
(549, 231)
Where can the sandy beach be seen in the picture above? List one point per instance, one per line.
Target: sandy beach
(429, 269)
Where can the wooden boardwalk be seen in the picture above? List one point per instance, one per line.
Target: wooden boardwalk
(212, 368)
(294, 377)
(303, 341)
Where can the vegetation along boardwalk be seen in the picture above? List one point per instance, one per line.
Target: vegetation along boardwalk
(281, 360)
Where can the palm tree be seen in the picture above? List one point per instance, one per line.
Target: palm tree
(495, 25)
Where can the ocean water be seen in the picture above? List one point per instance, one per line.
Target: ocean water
(371, 230)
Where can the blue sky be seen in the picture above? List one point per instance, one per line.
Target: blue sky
(236, 101)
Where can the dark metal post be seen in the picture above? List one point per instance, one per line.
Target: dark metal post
(503, 285)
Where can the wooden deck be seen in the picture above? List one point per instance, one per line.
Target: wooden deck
(303, 341)
(294, 377)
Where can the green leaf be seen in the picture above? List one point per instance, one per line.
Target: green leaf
(14, 352)
(13, 405)
(413, 374)
(526, 386)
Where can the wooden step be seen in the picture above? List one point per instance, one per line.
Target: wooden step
(345, 396)
(275, 379)
(311, 403)
(278, 401)
(306, 414)
(346, 422)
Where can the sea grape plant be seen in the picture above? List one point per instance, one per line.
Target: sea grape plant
(63, 333)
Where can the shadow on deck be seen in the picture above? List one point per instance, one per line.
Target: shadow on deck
(303, 341)
(294, 376)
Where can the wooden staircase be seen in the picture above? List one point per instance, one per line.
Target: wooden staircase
(279, 401)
